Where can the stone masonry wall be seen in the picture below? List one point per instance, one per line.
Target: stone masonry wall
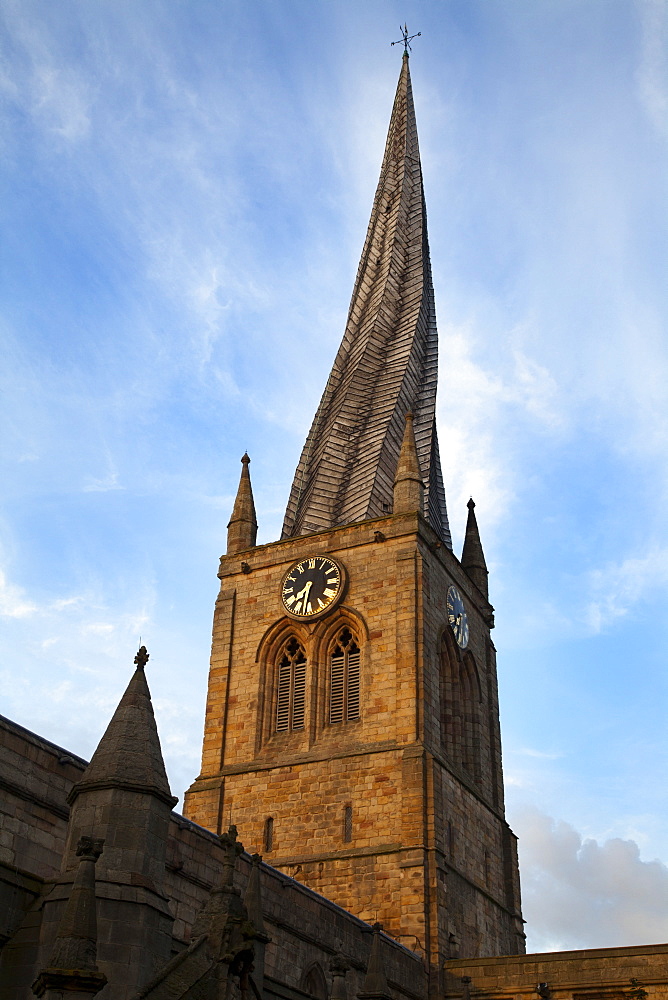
(389, 766)
(306, 930)
(595, 974)
(35, 777)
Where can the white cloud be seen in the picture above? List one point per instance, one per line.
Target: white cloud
(579, 893)
(541, 754)
(653, 71)
(105, 485)
(61, 102)
(617, 588)
(476, 408)
(13, 602)
(52, 92)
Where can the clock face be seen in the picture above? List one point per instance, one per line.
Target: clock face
(457, 617)
(312, 587)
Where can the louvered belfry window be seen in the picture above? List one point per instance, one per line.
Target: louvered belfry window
(344, 679)
(291, 694)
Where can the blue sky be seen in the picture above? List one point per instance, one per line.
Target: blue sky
(185, 192)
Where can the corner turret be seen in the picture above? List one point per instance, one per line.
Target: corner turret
(473, 558)
(124, 798)
(242, 529)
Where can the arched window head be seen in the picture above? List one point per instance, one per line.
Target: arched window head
(344, 678)
(460, 708)
(291, 681)
(314, 982)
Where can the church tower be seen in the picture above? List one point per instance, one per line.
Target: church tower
(352, 727)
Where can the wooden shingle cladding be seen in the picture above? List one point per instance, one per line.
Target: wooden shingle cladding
(387, 363)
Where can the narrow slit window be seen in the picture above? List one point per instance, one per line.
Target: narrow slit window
(344, 679)
(268, 834)
(291, 687)
(347, 824)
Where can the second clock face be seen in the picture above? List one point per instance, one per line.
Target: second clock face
(311, 587)
(457, 617)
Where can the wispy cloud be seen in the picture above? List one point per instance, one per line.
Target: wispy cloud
(539, 754)
(103, 485)
(483, 412)
(13, 601)
(653, 71)
(618, 587)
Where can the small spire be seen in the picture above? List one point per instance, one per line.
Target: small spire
(242, 529)
(253, 904)
(473, 557)
(253, 897)
(408, 482)
(72, 967)
(375, 982)
(129, 753)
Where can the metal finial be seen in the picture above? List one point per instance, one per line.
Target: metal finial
(406, 38)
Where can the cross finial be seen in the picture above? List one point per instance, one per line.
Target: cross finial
(406, 38)
(141, 659)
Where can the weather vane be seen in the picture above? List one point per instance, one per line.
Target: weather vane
(406, 38)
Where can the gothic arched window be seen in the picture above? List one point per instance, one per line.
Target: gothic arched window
(344, 678)
(291, 687)
(460, 708)
(314, 982)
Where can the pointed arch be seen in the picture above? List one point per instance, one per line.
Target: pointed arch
(290, 686)
(460, 706)
(275, 635)
(283, 660)
(470, 710)
(327, 627)
(341, 644)
(344, 677)
(314, 983)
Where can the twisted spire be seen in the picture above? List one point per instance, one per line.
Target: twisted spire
(386, 364)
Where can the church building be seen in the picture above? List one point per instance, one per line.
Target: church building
(352, 706)
(346, 836)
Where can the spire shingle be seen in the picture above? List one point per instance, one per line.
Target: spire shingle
(387, 362)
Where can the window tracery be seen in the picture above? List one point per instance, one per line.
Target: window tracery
(344, 678)
(291, 687)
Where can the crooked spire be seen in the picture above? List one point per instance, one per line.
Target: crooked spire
(473, 557)
(387, 362)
